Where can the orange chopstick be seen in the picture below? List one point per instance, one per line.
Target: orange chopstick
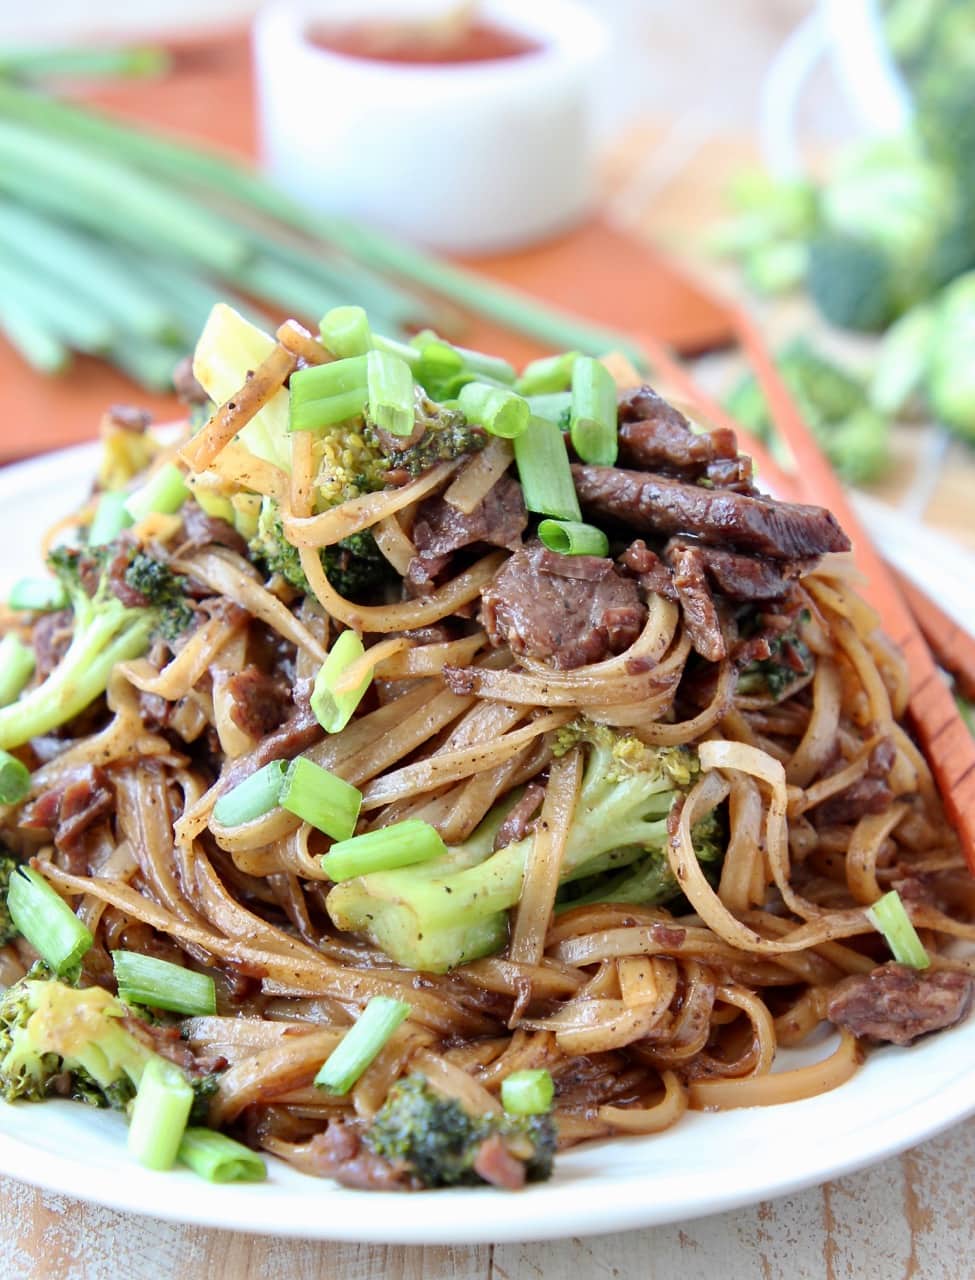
(944, 736)
(950, 643)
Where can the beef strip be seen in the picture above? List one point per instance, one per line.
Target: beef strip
(869, 794)
(518, 817)
(697, 603)
(496, 1165)
(339, 1153)
(201, 530)
(128, 417)
(731, 473)
(499, 518)
(744, 577)
(186, 385)
(300, 731)
(658, 504)
(651, 572)
(655, 436)
(70, 808)
(897, 1004)
(569, 610)
(259, 702)
(50, 637)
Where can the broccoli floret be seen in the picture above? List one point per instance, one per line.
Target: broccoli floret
(853, 283)
(950, 383)
(106, 632)
(204, 1087)
(47, 1028)
(447, 435)
(789, 661)
(8, 930)
(163, 590)
(439, 1141)
(355, 566)
(438, 915)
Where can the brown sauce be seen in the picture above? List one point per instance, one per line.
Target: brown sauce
(379, 42)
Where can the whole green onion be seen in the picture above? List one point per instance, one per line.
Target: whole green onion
(543, 469)
(400, 845)
(390, 384)
(889, 917)
(527, 1093)
(46, 921)
(333, 710)
(548, 375)
(163, 493)
(573, 538)
(593, 422)
(218, 1158)
(27, 64)
(321, 798)
(159, 1115)
(361, 1044)
(252, 798)
(110, 518)
(499, 411)
(41, 595)
(14, 779)
(33, 336)
(345, 332)
(147, 980)
(17, 663)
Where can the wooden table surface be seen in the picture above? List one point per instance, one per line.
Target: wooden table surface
(909, 1217)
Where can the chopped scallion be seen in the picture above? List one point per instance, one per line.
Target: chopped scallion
(327, 394)
(14, 779)
(392, 346)
(527, 1093)
(41, 595)
(218, 1158)
(548, 375)
(345, 332)
(499, 411)
(161, 985)
(159, 1115)
(390, 383)
(328, 802)
(543, 469)
(46, 921)
(16, 665)
(573, 538)
(333, 711)
(164, 493)
(109, 520)
(361, 1044)
(889, 917)
(555, 407)
(252, 798)
(592, 424)
(400, 845)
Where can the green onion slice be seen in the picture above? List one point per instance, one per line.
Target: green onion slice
(345, 332)
(163, 493)
(46, 921)
(889, 917)
(16, 666)
(543, 469)
(327, 394)
(161, 985)
(499, 411)
(548, 375)
(159, 1115)
(527, 1093)
(400, 845)
(573, 538)
(42, 595)
(555, 406)
(109, 520)
(328, 802)
(593, 423)
(333, 711)
(390, 383)
(361, 1044)
(252, 798)
(218, 1158)
(14, 779)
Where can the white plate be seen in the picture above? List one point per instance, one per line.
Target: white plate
(706, 1164)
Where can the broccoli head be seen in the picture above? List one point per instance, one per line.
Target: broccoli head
(439, 1141)
(853, 283)
(789, 661)
(8, 930)
(355, 566)
(455, 908)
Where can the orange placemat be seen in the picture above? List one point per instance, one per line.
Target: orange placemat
(595, 271)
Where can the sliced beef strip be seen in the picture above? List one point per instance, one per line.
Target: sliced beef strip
(660, 505)
(300, 731)
(869, 794)
(655, 436)
(697, 603)
(260, 702)
(339, 1153)
(51, 637)
(518, 817)
(186, 385)
(539, 605)
(731, 473)
(70, 808)
(651, 572)
(744, 577)
(499, 518)
(201, 530)
(896, 1004)
(496, 1165)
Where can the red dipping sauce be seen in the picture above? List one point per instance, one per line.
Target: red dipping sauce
(378, 42)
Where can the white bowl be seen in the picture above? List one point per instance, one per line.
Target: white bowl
(467, 158)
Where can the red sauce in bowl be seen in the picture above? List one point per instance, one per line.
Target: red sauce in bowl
(476, 41)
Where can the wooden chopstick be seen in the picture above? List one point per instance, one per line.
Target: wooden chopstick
(944, 736)
(951, 644)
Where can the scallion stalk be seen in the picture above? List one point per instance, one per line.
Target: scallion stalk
(333, 710)
(390, 383)
(110, 518)
(46, 921)
(499, 411)
(164, 493)
(889, 917)
(218, 1158)
(28, 64)
(573, 538)
(321, 798)
(547, 376)
(361, 1044)
(159, 1115)
(543, 469)
(14, 779)
(528, 1093)
(161, 985)
(40, 595)
(592, 424)
(252, 798)
(400, 845)
(345, 332)
(17, 664)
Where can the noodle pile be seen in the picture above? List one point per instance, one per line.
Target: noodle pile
(638, 1013)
